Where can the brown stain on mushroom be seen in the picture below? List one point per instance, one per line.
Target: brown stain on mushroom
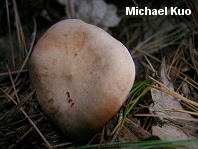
(107, 113)
(72, 104)
(69, 100)
(43, 75)
(67, 94)
(51, 101)
(39, 76)
(54, 110)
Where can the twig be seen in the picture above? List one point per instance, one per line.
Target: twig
(23, 136)
(194, 84)
(9, 30)
(170, 92)
(14, 109)
(35, 127)
(192, 57)
(118, 127)
(168, 117)
(13, 72)
(172, 110)
(102, 137)
(29, 52)
(28, 119)
(20, 34)
(93, 138)
(20, 139)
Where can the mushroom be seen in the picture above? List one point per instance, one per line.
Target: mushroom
(82, 76)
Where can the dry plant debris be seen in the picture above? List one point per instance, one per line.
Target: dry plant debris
(181, 128)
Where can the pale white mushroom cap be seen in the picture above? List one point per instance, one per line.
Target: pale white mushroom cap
(82, 76)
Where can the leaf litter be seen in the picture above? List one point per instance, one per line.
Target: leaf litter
(170, 128)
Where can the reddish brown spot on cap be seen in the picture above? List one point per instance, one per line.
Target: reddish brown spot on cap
(51, 101)
(72, 104)
(69, 100)
(67, 94)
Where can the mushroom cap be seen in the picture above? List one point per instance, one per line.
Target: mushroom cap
(82, 76)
